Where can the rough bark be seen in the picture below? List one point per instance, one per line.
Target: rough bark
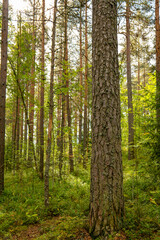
(106, 201)
(51, 106)
(3, 77)
(42, 96)
(129, 87)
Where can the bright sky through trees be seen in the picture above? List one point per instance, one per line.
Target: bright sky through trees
(20, 5)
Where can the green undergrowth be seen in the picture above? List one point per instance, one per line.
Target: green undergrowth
(142, 201)
(22, 204)
(65, 228)
(23, 200)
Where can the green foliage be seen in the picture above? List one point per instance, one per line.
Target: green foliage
(22, 202)
(141, 202)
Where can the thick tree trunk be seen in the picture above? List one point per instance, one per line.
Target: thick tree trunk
(42, 96)
(129, 87)
(86, 92)
(3, 76)
(157, 25)
(106, 201)
(51, 106)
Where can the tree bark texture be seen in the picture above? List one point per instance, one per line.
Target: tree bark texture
(129, 87)
(3, 76)
(106, 200)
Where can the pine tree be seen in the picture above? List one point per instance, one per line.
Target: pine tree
(106, 202)
(3, 76)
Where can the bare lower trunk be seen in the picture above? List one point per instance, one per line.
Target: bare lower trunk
(67, 96)
(51, 108)
(129, 87)
(106, 201)
(31, 102)
(86, 93)
(81, 86)
(42, 97)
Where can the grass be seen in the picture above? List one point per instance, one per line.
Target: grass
(22, 204)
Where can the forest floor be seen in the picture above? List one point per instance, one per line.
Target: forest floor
(43, 231)
(23, 215)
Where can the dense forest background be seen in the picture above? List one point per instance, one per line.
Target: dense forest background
(48, 143)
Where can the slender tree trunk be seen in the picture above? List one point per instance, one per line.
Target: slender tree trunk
(60, 133)
(138, 51)
(38, 124)
(59, 104)
(21, 142)
(75, 124)
(13, 134)
(61, 155)
(3, 77)
(67, 86)
(106, 202)
(81, 84)
(18, 96)
(157, 26)
(25, 128)
(51, 108)
(17, 130)
(25, 108)
(129, 86)
(31, 99)
(42, 96)
(86, 92)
